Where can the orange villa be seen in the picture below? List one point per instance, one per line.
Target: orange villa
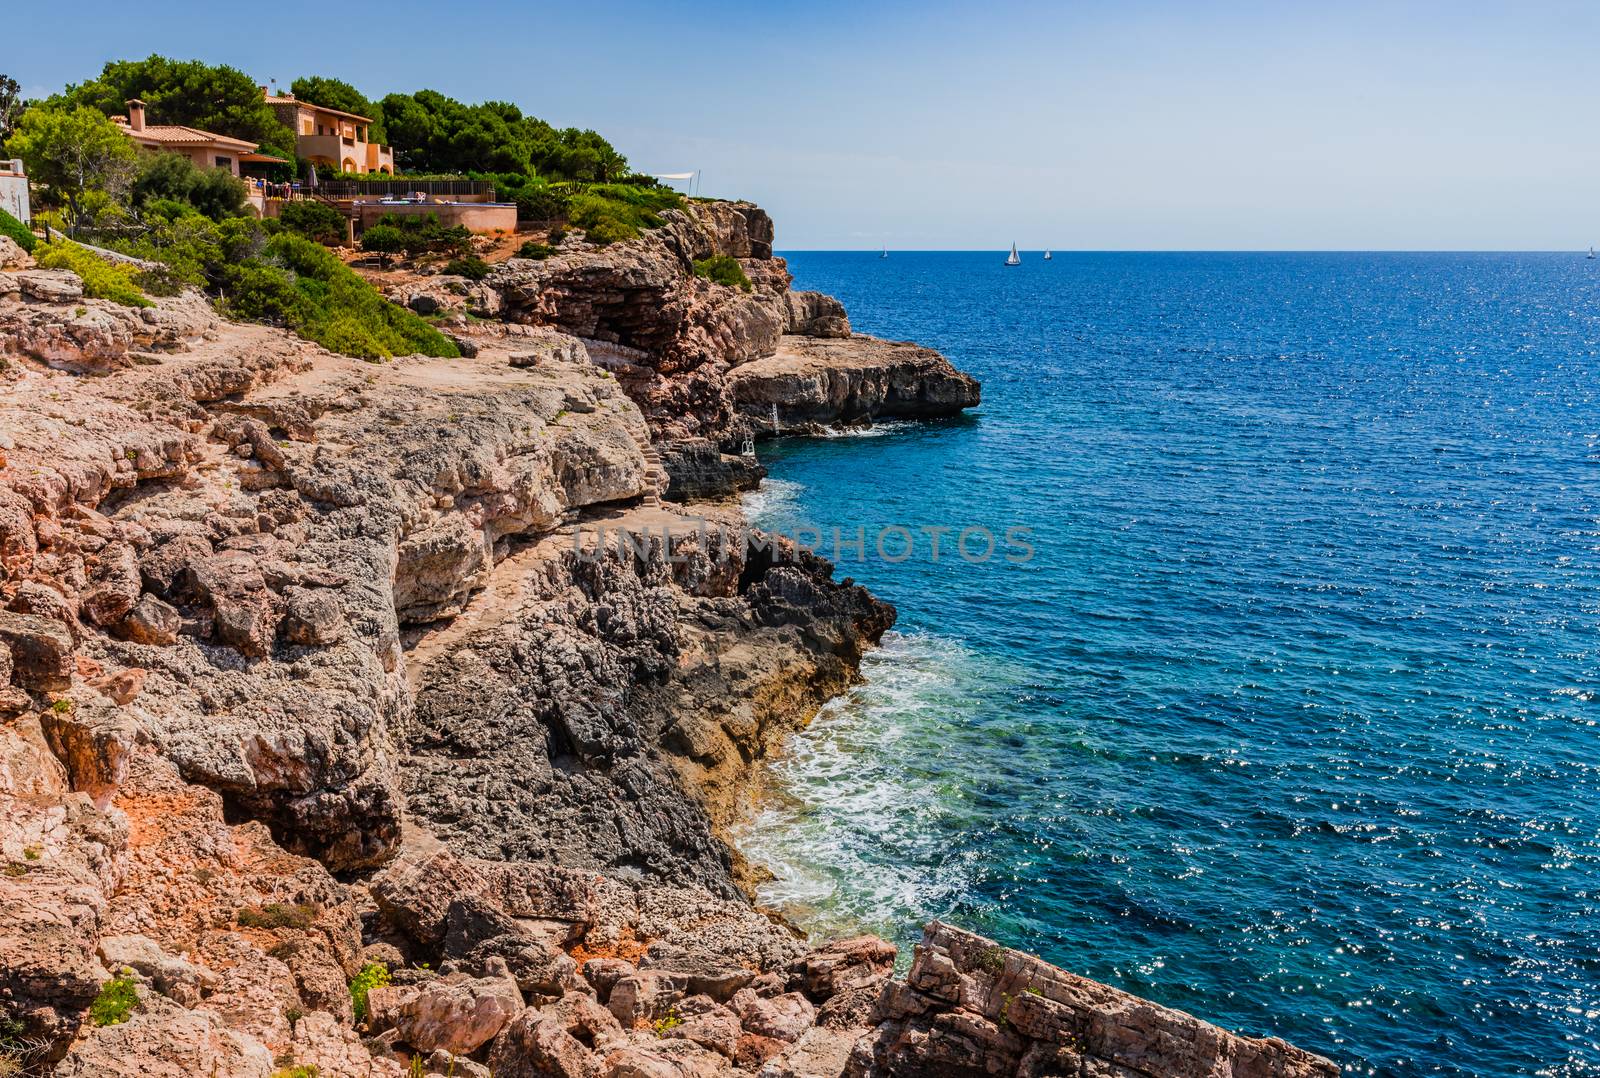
(206, 149)
(329, 138)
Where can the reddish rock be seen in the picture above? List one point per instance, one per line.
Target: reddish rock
(114, 585)
(455, 1013)
(858, 962)
(971, 1007)
(151, 621)
(782, 1018)
(644, 997)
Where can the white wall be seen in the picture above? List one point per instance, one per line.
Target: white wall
(14, 195)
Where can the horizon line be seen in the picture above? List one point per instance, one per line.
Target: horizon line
(1579, 251)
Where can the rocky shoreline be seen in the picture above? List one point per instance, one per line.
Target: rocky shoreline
(304, 683)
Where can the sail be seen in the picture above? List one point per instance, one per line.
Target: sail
(1014, 260)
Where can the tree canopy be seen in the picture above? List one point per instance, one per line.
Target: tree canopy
(78, 154)
(432, 133)
(337, 94)
(10, 106)
(189, 92)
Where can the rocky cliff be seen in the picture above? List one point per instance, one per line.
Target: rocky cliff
(328, 740)
(705, 361)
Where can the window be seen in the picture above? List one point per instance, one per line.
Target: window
(225, 162)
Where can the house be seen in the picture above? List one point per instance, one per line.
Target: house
(14, 190)
(207, 149)
(329, 138)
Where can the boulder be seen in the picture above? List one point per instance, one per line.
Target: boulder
(814, 314)
(50, 286)
(150, 621)
(41, 651)
(858, 962)
(455, 1013)
(782, 1017)
(113, 586)
(162, 1039)
(416, 890)
(641, 998)
(12, 256)
(313, 616)
(477, 934)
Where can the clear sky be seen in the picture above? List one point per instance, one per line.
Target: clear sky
(932, 125)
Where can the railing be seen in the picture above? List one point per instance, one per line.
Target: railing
(397, 188)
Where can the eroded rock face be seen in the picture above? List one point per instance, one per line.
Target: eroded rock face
(814, 314)
(706, 362)
(816, 382)
(971, 1007)
(606, 680)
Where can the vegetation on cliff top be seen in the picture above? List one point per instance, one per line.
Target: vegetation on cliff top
(284, 280)
(102, 279)
(613, 212)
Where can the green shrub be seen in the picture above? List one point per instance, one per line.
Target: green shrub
(277, 915)
(315, 221)
(667, 1023)
(612, 213)
(115, 281)
(116, 1001)
(385, 241)
(10, 226)
(723, 269)
(283, 280)
(304, 287)
(424, 235)
(372, 975)
(174, 178)
(469, 266)
(301, 1070)
(534, 249)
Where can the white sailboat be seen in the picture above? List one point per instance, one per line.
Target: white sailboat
(1047, 256)
(1591, 252)
(1014, 260)
(885, 253)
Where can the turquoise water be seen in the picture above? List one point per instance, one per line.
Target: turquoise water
(1292, 719)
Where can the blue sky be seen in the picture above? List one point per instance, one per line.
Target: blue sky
(1077, 126)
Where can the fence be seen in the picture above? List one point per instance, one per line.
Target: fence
(400, 188)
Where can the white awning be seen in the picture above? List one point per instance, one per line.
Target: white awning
(674, 175)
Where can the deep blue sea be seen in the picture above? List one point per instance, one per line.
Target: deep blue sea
(1293, 719)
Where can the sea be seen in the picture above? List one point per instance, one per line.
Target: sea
(1291, 719)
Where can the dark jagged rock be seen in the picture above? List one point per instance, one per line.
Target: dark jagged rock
(602, 683)
(700, 471)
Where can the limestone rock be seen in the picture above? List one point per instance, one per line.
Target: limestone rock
(812, 381)
(857, 962)
(782, 1018)
(50, 286)
(151, 621)
(12, 256)
(164, 1040)
(814, 314)
(969, 1006)
(556, 1040)
(646, 996)
(455, 1013)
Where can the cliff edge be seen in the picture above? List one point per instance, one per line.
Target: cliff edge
(329, 745)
